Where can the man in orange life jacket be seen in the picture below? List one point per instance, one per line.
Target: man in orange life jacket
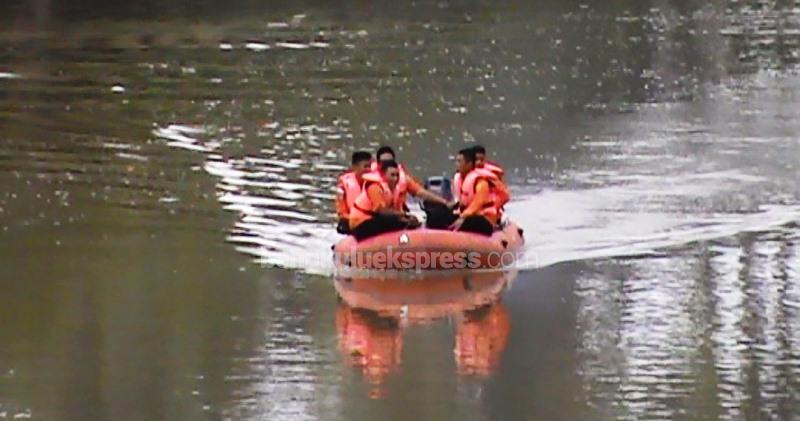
(502, 194)
(349, 187)
(478, 211)
(385, 153)
(406, 181)
(480, 162)
(379, 207)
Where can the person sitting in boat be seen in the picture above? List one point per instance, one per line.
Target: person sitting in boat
(380, 206)
(502, 195)
(478, 211)
(482, 162)
(406, 182)
(385, 153)
(349, 187)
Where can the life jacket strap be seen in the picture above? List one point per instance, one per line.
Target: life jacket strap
(489, 204)
(368, 212)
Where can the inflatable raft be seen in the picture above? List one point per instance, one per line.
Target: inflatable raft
(430, 249)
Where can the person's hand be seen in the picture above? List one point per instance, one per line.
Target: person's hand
(409, 218)
(457, 224)
(392, 212)
(343, 227)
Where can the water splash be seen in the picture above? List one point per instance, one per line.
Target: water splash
(282, 197)
(10, 75)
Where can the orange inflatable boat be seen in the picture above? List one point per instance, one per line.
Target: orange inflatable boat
(430, 249)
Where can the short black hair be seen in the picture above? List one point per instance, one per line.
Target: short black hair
(479, 149)
(386, 164)
(360, 156)
(468, 154)
(385, 149)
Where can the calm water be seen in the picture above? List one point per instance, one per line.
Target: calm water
(166, 175)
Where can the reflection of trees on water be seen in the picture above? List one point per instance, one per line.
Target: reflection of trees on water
(96, 337)
(640, 351)
(718, 333)
(764, 33)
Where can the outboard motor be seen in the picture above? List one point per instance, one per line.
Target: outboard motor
(436, 215)
(439, 185)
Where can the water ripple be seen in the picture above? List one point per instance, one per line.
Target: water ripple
(282, 201)
(644, 325)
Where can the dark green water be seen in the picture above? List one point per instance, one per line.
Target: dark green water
(166, 172)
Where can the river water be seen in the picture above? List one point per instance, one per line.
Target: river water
(166, 175)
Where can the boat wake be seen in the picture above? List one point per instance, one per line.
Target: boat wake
(563, 226)
(668, 180)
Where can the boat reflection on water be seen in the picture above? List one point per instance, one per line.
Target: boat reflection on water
(480, 340)
(372, 344)
(375, 312)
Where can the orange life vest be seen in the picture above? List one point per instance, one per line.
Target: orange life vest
(490, 210)
(496, 169)
(363, 208)
(349, 188)
(402, 181)
(502, 194)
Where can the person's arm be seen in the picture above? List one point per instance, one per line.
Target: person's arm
(481, 198)
(456, 191)
(378, 205)
(497, 170)
(418, 191)
(503, 195)
(341, 201)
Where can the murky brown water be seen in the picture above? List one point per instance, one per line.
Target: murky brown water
(166, 173)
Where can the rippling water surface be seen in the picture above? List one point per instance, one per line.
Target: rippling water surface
(166, 177)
